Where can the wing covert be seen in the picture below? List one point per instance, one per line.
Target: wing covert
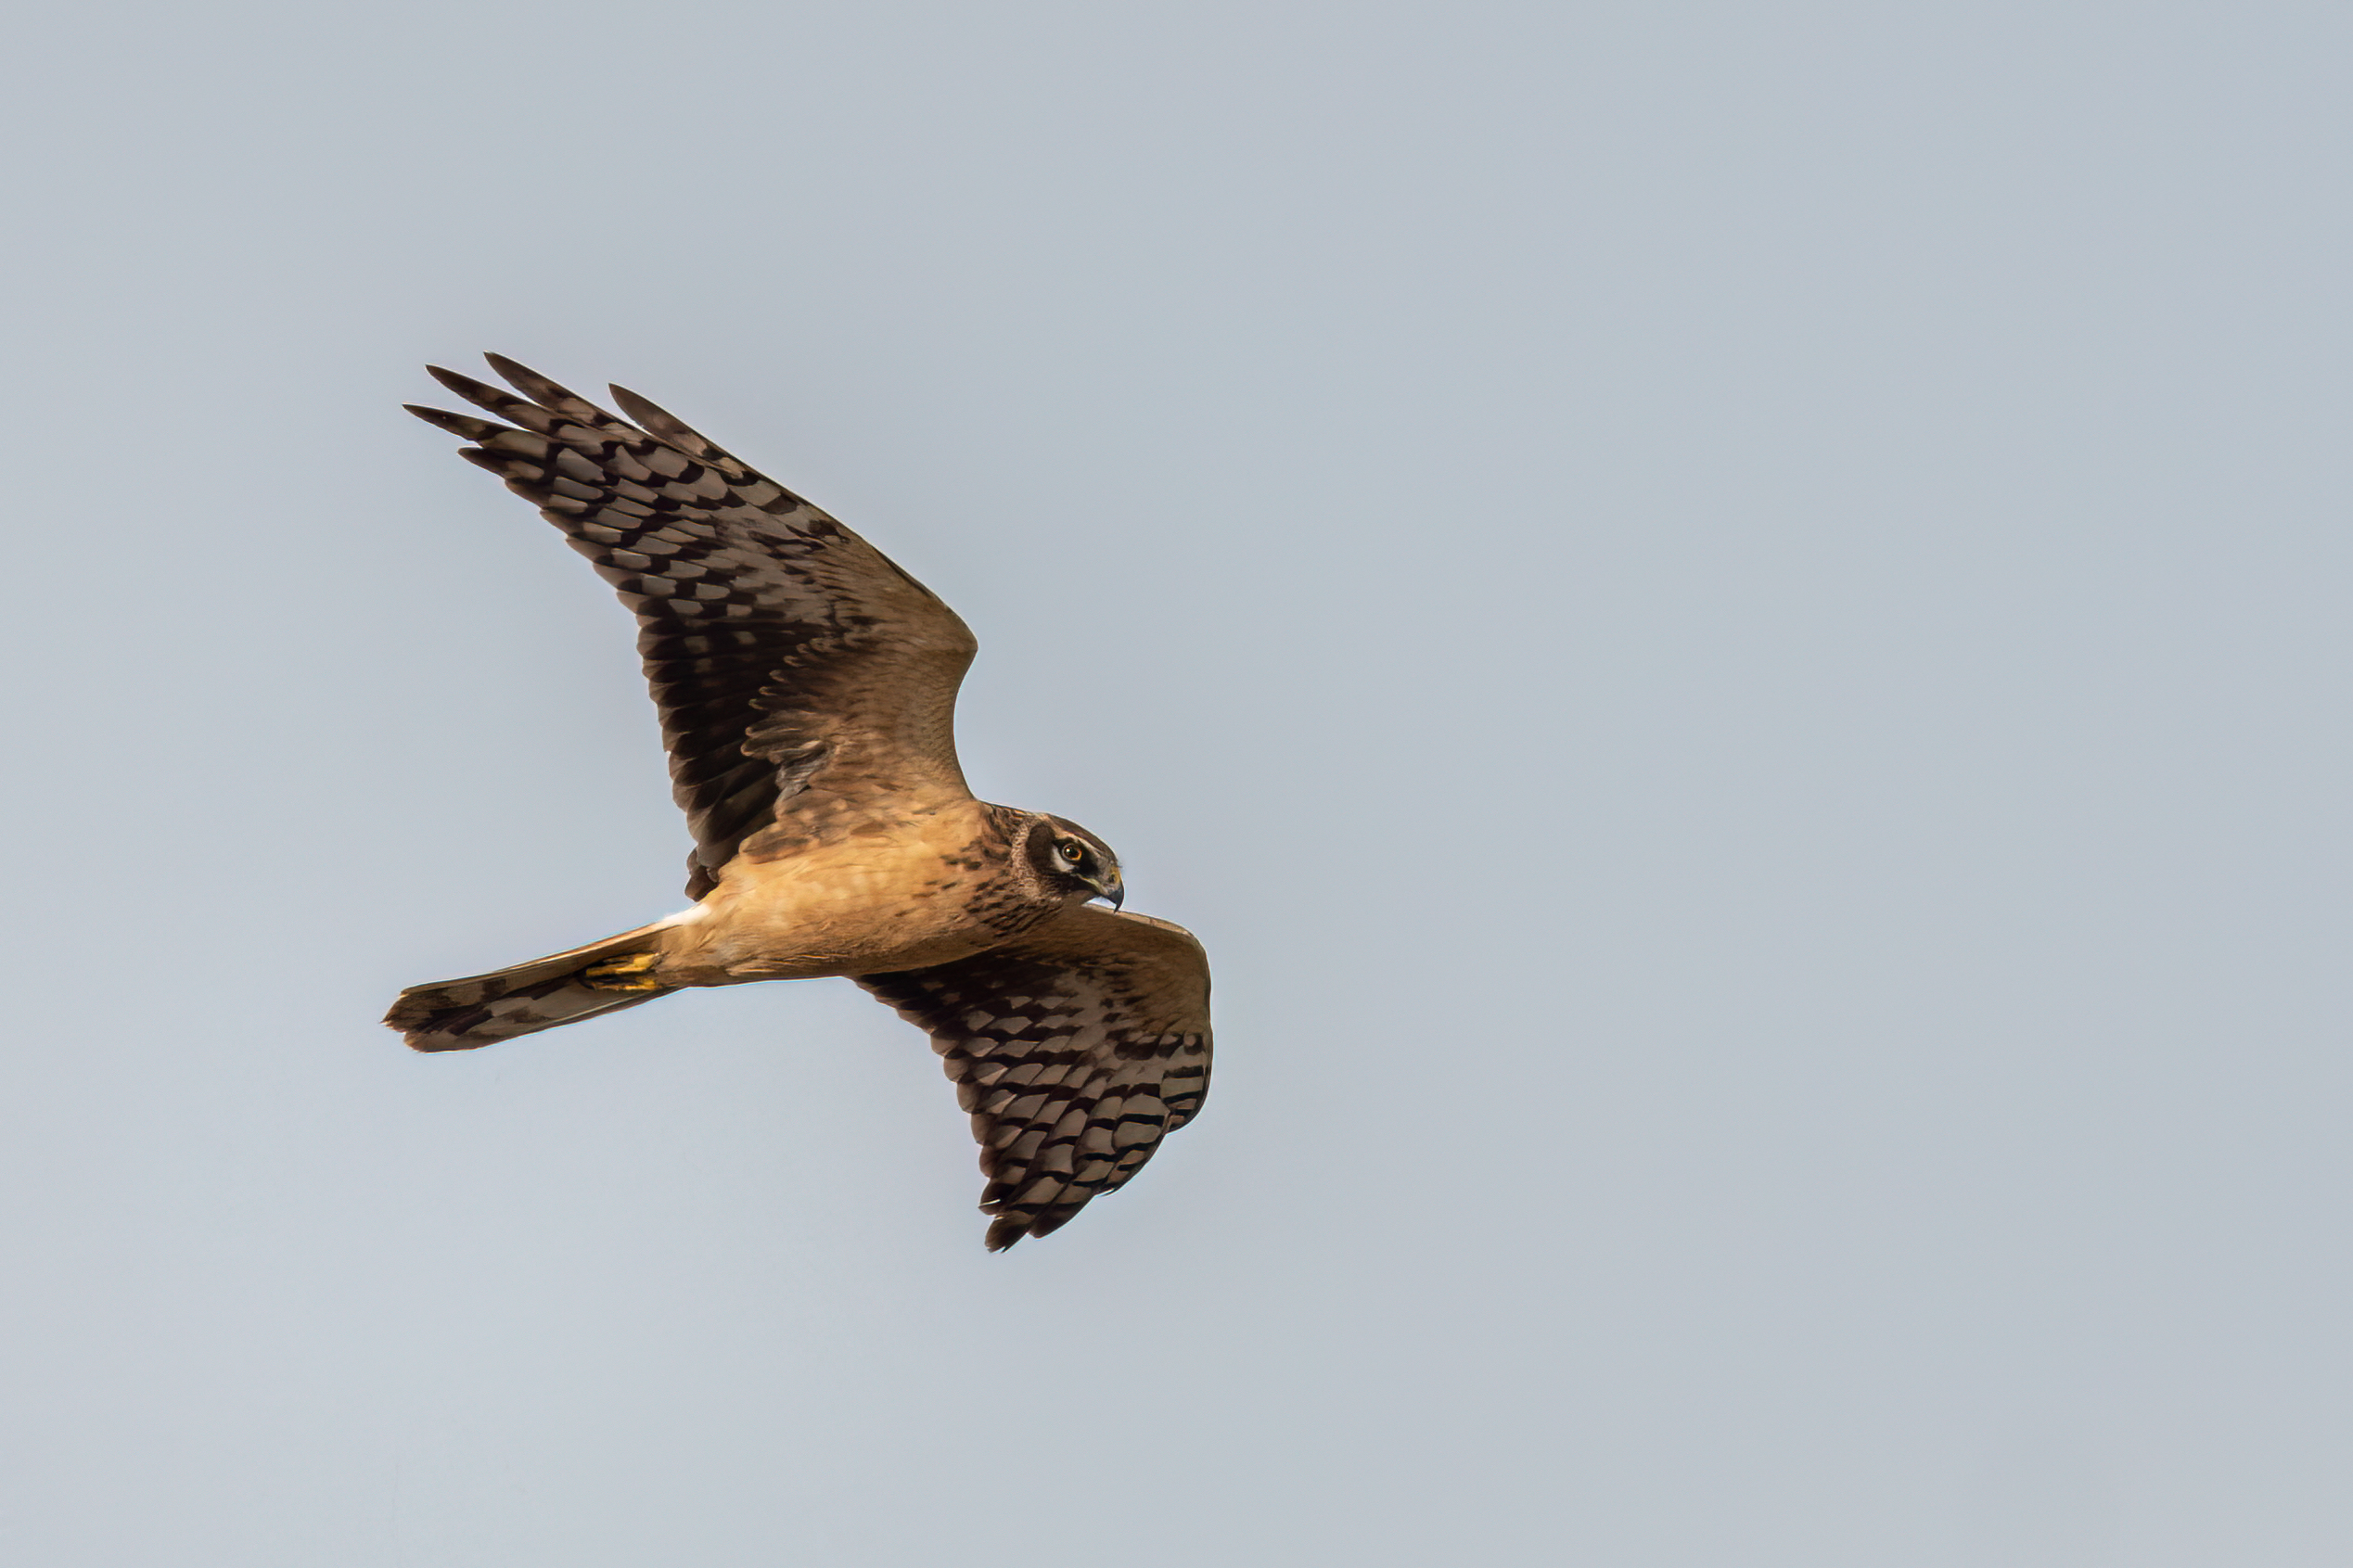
(801, 676)
(1077, 1047)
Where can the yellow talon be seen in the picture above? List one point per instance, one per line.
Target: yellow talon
(623, 973)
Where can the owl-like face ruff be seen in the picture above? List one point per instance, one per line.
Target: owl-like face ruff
(1067, 856)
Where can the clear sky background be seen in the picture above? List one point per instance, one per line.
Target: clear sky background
(1729, 617)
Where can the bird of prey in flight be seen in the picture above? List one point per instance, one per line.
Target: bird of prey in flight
(807, 688)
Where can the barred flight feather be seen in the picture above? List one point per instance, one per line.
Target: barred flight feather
(1077, 1047)
(779, 645)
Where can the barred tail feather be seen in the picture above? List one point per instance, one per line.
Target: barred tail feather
(485, 1009)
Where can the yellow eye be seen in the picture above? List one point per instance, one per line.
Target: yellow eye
(1074, 851)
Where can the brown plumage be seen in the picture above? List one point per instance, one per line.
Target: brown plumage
(807, 690)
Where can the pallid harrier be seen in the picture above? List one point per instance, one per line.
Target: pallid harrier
(807, 689)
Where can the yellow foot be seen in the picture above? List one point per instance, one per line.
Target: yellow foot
(624, 974)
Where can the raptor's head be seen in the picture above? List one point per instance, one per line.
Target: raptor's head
(1069, 859)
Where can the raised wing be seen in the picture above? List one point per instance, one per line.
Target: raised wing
(1077, 1047)
(805, 682)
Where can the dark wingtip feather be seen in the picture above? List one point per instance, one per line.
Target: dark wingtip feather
(526, 380)
(465, 425)
(546, 393)
(1003, 1232)
(499, 400)
(466, 387)
(501, 464)
(657, 420)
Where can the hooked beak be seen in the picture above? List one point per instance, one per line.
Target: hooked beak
(1112, 890)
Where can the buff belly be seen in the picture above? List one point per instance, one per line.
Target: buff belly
(861, 906)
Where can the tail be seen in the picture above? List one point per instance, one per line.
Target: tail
(485, 1009)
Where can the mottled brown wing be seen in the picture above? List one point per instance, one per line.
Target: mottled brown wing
(1077, 1047)
(804, 681)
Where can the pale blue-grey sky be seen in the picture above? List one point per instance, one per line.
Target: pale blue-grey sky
(1729, 618)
